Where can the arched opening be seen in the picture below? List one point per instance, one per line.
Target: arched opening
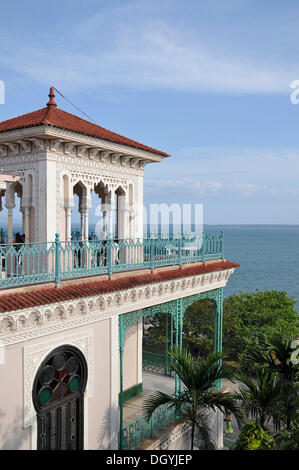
(101, 192)
(121, 213)
(80, 193)
(12, 214)
(58, 398)
(199, 328)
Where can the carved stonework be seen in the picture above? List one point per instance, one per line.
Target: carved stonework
(35, 322)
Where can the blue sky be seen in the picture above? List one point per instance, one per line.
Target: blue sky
(207, 81)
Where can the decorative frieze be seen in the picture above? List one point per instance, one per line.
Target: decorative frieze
(29, 323)
(59, 145)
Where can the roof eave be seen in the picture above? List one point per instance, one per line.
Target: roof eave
(50, 131)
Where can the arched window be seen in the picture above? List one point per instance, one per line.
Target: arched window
(58, 398)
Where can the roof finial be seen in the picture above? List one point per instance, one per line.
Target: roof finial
(51, 95)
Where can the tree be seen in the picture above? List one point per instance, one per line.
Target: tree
(248, 317)
(275, 354)
(199, 393)
(260, 395)
(198, 329)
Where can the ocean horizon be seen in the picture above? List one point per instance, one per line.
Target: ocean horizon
(267, 254)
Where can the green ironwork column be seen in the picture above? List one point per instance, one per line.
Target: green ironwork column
(121, 394)
(57, 259)
(176, 327)
(180, 321)
(166, 344)
(218, 319)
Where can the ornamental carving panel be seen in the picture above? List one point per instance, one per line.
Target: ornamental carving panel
(17, 326)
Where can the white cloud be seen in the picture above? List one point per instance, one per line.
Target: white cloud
(140, 55)
(184, 184)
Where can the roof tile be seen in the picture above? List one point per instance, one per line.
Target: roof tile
(47, 295)
(53, 116)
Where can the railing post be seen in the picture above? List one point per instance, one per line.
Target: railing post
(203, 248)
(57, 259)
(110, 255)
(222, 243)
(180, 251)
(152, 253)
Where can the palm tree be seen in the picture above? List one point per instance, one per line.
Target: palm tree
(260, 395)
(199, 393)
(276, 354)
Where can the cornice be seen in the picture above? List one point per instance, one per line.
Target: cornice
(22, 325)
(21, 138)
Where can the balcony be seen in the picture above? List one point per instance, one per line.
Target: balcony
(34, 263)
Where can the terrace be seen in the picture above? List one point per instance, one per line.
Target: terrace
(35, 263)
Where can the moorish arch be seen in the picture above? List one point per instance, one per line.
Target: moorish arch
(58, 398)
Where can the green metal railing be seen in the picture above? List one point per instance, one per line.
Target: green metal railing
(229, 443)
(33, 263)
(154, 362)
(139, 430)
(159, 363)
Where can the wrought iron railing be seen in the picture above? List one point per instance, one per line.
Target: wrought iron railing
(159, 363)
(139, 430)
(154, 362)
(229, 443)
(31, 263)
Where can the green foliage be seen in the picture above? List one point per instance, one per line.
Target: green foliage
(255, 437)
(247, 317)
(198, 393)
(198, 328)
(250, 316)
(289, 439)
(276, 357)
(260, 395)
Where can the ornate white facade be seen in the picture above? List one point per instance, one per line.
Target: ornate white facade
(46, 166)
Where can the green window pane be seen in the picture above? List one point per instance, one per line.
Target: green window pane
(74, 383)
(45, 395)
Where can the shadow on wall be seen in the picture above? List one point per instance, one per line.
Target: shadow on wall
(105, 434)
(12, 436)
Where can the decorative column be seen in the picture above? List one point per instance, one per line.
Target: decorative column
(10, 205)
(85, 215)
(26, 224)
(105, 213)
(23, 219)
(68, 213)
(110, 221)
(176, 326)
(114, 358)
(166, 344)
(218, 319)
(121, 216)
(82, 222)
(9, 235)
(121, 371)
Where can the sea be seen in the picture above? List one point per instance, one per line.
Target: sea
(268, 256)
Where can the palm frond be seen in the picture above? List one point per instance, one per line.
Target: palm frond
(156, 399)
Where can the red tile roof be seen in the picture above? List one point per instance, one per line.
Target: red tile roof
(48, 295)
(52, 116)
